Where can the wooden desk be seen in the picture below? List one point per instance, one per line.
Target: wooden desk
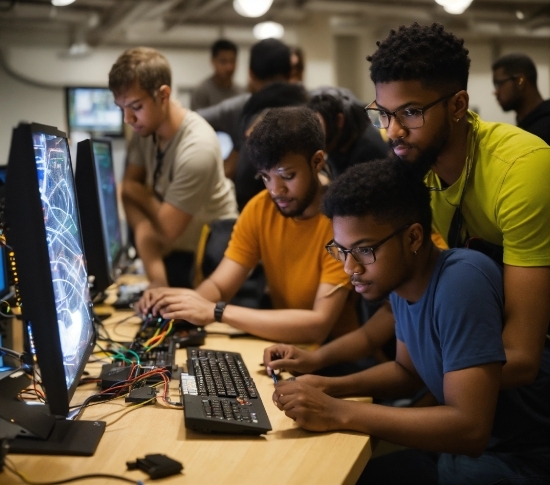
(287, 455)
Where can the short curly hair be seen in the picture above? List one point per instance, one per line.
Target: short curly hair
(384, 189)
(428, 54)
(282, 131)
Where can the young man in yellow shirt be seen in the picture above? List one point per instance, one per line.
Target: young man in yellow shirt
(282, 227)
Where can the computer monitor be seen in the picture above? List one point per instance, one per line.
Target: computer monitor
(97, 201)
(93, 110)
(44, 232)
(5, 288)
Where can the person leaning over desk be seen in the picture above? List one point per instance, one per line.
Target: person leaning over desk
(449, 309)
(174, 182)
(281, 226)
(494, 173)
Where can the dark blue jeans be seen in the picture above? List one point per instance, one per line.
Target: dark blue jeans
(412, 467)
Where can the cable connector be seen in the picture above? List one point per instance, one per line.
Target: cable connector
(156, 466)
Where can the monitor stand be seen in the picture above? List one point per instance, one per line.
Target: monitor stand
(30, 428)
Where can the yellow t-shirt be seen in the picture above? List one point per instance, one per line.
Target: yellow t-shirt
(292, 252)
(507, 198)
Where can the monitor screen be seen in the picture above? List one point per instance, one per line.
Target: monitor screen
(93, 110)
(5, 289)
(97, 200)
(44, 231)
(107, 197)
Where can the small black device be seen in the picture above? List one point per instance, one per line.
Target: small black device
(156, 466)
(219, 395)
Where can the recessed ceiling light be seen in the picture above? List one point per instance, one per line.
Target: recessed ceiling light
(252, 8)
(267, 30)
(520, 15)
(62, 3)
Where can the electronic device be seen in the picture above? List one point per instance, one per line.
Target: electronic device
(219, 395)
(97, 202)
(93, 110)
(44, 231)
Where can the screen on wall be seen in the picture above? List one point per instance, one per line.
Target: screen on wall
(93, 110)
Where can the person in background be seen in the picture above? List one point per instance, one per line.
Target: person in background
(269, 72)
(449, 308)
(350, 137)
(282, 227)
(297, 65)
(174, 182)
(515, 81)
(220, 85)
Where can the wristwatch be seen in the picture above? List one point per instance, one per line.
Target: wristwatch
(218, 310)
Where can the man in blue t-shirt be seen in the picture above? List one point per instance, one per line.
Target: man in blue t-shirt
(448, 307)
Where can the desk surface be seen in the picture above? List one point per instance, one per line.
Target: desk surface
(286, 455)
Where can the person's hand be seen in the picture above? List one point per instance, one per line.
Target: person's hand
(289, 358)
(177, 303)
(311, 408)
(148, 299)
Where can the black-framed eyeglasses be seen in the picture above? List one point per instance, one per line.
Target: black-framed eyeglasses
(498, 83)
(408, 118)
(363, 255)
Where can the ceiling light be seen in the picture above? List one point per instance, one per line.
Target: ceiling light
(520, 15)
(267, 30)
(252, 8)
(455, 7)
(62, 3)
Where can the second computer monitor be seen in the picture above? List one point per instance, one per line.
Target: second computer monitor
(97, 201)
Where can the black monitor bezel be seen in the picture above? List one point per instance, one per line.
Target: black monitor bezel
(27, 236)
(119, 133)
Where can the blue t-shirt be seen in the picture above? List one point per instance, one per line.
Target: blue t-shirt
(458, 324)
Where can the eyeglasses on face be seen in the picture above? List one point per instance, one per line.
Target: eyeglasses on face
(363, 255)
(408, 118)
(498, 83)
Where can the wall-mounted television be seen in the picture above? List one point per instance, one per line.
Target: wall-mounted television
(93, 110)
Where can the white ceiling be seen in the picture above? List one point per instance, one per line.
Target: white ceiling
(196, 23)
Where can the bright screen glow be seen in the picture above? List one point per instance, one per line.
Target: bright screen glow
(107, 198)
(68, 268)
(94, 110)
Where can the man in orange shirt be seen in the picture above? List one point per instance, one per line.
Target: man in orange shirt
(282, 227)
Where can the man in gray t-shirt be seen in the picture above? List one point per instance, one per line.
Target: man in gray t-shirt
(174, 182)
(220, 85)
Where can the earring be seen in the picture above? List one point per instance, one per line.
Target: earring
(415, 252)
(457, 120)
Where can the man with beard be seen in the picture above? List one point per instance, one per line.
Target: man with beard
(282, 226)
(515, 81)
(488, 183)
(448, 307)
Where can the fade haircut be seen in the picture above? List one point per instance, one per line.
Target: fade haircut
(384, 189)
(270, 58)
(144, 65)
(223, 45)
(516, 63)
(436, 58)
(281, 131)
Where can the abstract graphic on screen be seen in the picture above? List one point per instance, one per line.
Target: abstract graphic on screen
(107, 199)
(69, 275)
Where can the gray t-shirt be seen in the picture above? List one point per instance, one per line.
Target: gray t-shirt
(191, 176)
(208, 93)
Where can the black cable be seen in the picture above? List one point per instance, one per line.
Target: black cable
(14, 470)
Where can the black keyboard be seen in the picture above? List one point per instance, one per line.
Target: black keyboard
(220, 396)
